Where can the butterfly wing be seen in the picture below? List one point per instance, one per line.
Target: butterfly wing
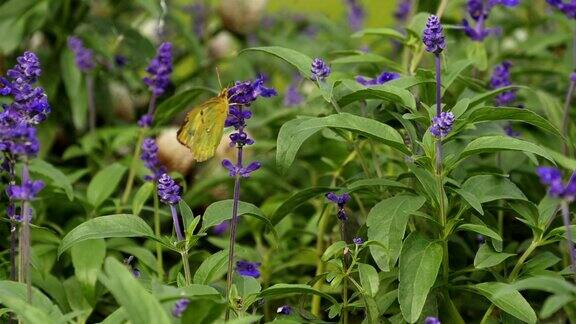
(203, 127)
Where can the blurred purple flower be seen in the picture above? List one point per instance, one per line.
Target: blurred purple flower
(320, 70)
(431, 320)
(221, 228)
(340, 201)
(510, 131)
(552, 177)
(180, 307)
(501, 78)
(293, 97)
(27, 191)
(248, 269)
(83, 56)
(160, 69)
(569, 9)
(356, 14)
(379, 80)
(403, 10)
(442, 125)
(150, 158)
(479, 10)
(433, 35)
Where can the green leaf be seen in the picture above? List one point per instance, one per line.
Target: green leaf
(335, 249)
(488, 188)
(470, 199)
(491, 94)
(386, 223)
(368, 58)
(387, 93)
(212, 268)
(141, 197)
(170, 107)
(376, 182)
(293, 134)
(297, 199)
(368, 279)
(300, 61)
(220, 211)
(87, 258)
(41, 310)
(488, 144)
(553, 304)
(480, 229)
(121, 225)
(290, 289)
(75, 89)
(508, 299)
(104, 184)
(58, 178)
(486, 257)
(420, 261)
(547, 283)
(140, 305)
(387, 32)
(455, 69)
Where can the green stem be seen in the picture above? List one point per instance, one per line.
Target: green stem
(132, 171)
(186, 265)
(320, 266)
(157, 233)
(345, 302)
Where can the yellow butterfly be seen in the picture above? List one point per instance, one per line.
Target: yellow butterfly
(203, 127)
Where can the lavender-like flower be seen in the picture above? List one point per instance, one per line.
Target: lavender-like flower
(340, 201)
(150, 158)
(221, 228)
(284, 310)
(248, 269)
(569, 9)
(27, 191)
(83, 56)
(552, 177)
(356, 14)
(246, 92)
(243, 172)
(403, 10)
(293, 98)
(358, 240)
(442, 124)
(180, 307)
(431, 320)
(168, 190)
(479, 11)
(160, 69)
(433, 37)
(145, 121)
(379, 80)
(199, 13)
(501, 78)
(320, 70)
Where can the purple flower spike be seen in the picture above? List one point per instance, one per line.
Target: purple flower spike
(569, 9)
(160, 69)
(168, 190)
(83, 56)
(150, 158)
(356, 14)
(442, 125)
(501, 78)
(145, 121)
(246, 92)
(244, 172)
(27, 191)
(284, 310)
(433, 36)
(431, 320)
(479, 11)
(403, 10)
(248, 269)
(293, 97)
(320, 70)
(552, 177)
(180, 307)
(340, 201)
(381, 79)
(358, 240)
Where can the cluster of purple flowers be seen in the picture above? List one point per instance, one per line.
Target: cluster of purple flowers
(442, 124)
(159, 70)
(168, 190)
(18, 122)
(433, 35)
(248, 269)
(150, 158)
(569, 9)
(403, 10)
(479, 11)
(552, 177)
(180, 307)
(501, 78)
(83, 56)
(356, 14)
(320, 70)
(293, 97)
(340, 201)
(379, 80)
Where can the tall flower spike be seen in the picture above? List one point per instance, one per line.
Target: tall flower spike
(433, 36)
(83, 56)
(501, 78)
(160, 69)
(168, 190)
(150, 158)
(552, 177)
(320, 70)
(479, 10)
(27, 191)
(442, 125)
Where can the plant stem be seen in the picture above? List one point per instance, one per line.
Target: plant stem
(13, 246)
(186, 265)
(176, 221)
(345, 301)
(91, 102)
(233, 228)
(157, 232)
(25, 240)
(569, 242)
(566, 116)
(132, 171)
(320, 266)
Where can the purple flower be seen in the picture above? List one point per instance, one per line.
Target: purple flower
(379, 80)
(120, 60)
(479, 11)
(480, 239)
(552, 177)
(569, 9)
(356, 15)
(442, 125)
(510, 131)
(431, 320)
(27, 191)
(180, 307)
(150, 158)
(293, 97)
(241, 171)
(168, 190)
(199, 17)
(246, 92)
(358, 240)
(433, 36)
(19, 140)
(160, 69)
(501, 78)
(573, 76)
(403, 10)
(221, 228)
(240, 138)
(83, 56)
(248, 269)
(145, 121)
(320, 70)
(340, 201)
(284, 310)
